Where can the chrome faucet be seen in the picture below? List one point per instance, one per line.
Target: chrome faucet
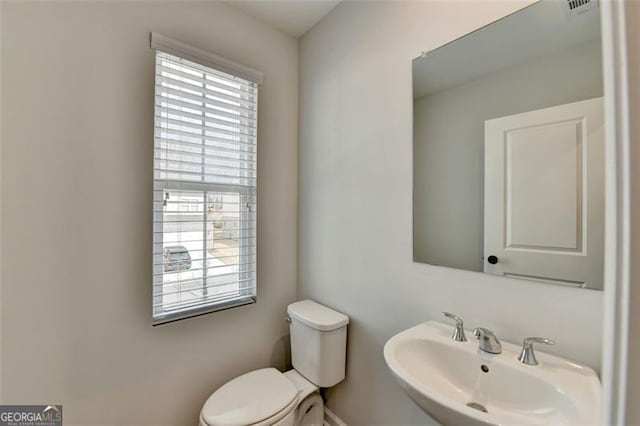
(488, 341)
(528, 356)
(458, 333)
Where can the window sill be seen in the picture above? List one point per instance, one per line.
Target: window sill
(180, 315)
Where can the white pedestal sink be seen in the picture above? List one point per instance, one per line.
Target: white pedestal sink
(459, 385)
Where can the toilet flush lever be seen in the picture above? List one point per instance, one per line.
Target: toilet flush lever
(287, 318)
(458, 333)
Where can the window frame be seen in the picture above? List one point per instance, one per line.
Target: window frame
(247, 199)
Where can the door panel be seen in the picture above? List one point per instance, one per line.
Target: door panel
(544, 183)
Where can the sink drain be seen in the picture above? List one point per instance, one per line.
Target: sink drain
(477, 406)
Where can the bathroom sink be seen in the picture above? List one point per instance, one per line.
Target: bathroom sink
(457, 384)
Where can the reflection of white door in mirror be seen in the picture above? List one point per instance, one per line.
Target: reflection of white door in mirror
(544, 195)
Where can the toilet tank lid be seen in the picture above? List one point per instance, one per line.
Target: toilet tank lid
(317, 316)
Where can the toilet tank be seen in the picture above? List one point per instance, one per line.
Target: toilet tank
(318, 342)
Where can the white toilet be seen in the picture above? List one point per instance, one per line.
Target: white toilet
(267, 397)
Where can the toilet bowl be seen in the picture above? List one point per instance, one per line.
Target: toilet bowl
(310, 412)
(267, 397)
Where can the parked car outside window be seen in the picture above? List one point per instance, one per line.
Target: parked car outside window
(176, 258)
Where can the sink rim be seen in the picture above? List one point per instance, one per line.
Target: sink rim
(578, 381)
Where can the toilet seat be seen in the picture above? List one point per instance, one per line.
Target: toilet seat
(257, 398)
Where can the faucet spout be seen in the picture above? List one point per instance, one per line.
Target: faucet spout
(488, 342)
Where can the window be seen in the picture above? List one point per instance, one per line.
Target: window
(204, 185)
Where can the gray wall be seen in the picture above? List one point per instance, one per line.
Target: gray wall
(77, 142)
(448, 150)
(355, 205)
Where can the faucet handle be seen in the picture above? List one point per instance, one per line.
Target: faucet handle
(527, 355)
(528, 341)
(458, 333)
(454, 317)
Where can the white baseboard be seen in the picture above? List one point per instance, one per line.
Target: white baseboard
(331, 419)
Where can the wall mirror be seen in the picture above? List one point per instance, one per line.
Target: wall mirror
(508, 148)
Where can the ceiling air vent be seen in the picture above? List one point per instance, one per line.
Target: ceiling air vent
(578, 7)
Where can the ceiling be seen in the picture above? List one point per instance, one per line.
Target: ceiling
(293, 17)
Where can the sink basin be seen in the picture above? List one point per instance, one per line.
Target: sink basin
(457, 384)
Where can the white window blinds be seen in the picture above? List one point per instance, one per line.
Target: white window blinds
(204, 193)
